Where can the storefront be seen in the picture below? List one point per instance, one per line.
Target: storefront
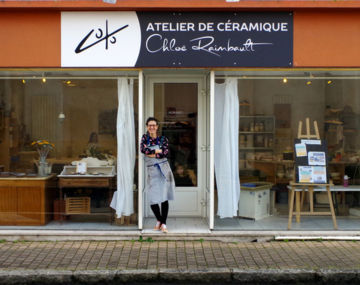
(229, 87)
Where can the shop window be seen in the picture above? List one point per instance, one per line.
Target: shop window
(76, 119)
(271, 104)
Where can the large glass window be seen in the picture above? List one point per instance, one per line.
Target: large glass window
(73, 118)
(271, 104)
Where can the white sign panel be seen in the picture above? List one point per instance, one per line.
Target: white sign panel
(100, 39)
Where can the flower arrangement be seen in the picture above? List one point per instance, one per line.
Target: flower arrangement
(43, 147)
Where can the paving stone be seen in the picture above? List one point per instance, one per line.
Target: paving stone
(181, 260)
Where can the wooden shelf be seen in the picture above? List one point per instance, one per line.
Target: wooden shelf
(254, 133)
(258, 116)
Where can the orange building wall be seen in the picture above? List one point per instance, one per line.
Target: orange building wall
(327, 38)
(179, 5)
(30, 39)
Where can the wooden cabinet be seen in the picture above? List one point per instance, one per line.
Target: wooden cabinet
(27, 201)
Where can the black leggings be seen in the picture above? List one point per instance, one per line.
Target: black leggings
(164, 211)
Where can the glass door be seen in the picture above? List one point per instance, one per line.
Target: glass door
(178, 103)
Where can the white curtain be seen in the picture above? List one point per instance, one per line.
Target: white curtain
(122, 200)
(226, 147)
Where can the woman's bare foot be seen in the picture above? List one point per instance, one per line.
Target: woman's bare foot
(164, 229)
(157, 226)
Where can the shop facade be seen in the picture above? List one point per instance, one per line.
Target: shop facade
(228, 85)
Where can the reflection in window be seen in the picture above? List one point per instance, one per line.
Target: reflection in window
(178, 122)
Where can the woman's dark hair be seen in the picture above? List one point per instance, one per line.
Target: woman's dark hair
(152, 119)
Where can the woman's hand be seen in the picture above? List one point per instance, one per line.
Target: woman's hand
(158, 151)
(151, 155)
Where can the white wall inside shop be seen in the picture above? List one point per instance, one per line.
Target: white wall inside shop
(342, 93)
(305, 100)
(308, 98)
(82, 105)
(31, 112)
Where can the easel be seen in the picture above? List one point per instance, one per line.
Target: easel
(310, 187)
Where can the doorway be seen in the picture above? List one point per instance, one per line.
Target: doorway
(179, 103)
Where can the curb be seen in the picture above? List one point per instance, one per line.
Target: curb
(224, 236)
(162, 276)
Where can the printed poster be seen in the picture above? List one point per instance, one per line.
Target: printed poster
(312, 174)
(300, 149)
(305, 174)
(316, 158)
(318, 142)
(319, 174)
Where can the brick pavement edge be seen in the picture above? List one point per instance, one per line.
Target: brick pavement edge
(163, 276)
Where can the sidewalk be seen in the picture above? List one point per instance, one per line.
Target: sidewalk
(191, 262)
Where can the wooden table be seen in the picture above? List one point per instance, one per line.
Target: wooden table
(301, 187)
(78, 181)
(27, 200)
(341, 189)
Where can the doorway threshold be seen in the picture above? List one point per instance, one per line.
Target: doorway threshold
(179, 225)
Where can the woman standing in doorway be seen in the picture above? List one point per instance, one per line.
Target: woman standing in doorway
(160, 185)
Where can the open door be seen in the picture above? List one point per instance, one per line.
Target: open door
(178, 102)
(209, 193)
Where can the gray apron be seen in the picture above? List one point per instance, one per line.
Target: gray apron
(160, 186)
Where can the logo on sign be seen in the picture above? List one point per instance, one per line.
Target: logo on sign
(106, 39)
(101, 36)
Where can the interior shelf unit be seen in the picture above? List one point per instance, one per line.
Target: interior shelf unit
(256, 139)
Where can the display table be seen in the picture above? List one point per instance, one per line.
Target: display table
(27, 200)
(86, 182)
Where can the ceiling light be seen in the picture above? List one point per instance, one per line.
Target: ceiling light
(61, 117)
(69, 83)
(110, 1)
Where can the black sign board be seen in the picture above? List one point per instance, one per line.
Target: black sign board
(216, 39)
(311, 161)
